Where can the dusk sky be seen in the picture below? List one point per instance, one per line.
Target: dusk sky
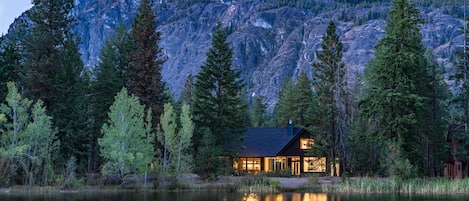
(9, 10)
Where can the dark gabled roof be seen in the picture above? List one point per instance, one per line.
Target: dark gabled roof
(264, 142)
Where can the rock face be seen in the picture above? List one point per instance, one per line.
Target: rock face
(269, 42)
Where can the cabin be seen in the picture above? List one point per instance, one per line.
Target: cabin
(277, 149)
(455, 168)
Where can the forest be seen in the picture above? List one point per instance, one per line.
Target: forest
(63, 124)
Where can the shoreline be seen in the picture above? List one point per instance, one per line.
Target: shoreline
(358, 185)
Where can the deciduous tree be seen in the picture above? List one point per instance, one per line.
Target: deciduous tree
(126, 145)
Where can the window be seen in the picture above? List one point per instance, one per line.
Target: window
(306, 143)
(249, 164)
(314, 164)
(273, 164)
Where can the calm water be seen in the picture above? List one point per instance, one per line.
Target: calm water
(213, 196)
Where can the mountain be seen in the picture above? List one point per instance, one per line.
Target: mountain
(270, 40)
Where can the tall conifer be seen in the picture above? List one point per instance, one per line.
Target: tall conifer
(394, 80)
(144, 75)
(329, 83)
(217, 106)
(109, 80)
(53, 73)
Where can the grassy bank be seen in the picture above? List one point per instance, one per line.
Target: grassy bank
(430, 186)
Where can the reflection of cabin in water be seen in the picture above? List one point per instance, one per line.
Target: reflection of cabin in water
(456, 168)
(277, 149)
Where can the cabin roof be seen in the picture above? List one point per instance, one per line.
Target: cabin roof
(265, 142)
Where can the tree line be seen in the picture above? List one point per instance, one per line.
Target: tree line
(59, 120)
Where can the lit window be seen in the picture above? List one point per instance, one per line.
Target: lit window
(249, 164)
(306, 143)
(314, 164)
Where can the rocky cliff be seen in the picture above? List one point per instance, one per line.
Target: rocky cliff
(270, 42)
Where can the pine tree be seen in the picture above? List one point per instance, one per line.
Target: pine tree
(186, 93)
(393, 82)
(258, 112)
(109, 80)
(43, 48)
(282, 110)
(329, 83)
(217, 106)
(295, 101)
(144, 74)
(126, 145)
(9, 66)
(302, 98)
(71, 108)
(53, 73)
(461, 96)
(433, 120)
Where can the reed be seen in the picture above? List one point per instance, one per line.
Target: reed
(430, 186)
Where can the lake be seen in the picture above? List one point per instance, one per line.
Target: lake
(221, 196)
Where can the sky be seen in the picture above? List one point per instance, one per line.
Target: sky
(9, 10)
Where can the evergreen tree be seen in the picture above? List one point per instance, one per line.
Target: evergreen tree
(302, 98)
(433, 120)
(9, 66)
(329, 82)
(109, 80)
(395, 81)
(217, 106)
(258, 112)
(461, 96)
(186, 93)
(144, 74)
(71, 108)
(53, 73)
(126, 145)
(295, 100)
(282, 111)
(43, 47)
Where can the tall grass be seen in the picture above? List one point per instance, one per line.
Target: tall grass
(257, 184)
(433, 186)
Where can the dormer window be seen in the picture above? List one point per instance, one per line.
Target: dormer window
(306, 143)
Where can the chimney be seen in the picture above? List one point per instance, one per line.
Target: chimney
(290, 127)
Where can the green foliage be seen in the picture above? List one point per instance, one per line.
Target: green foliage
(145, 62)
(399, 97)
(71, 111)
(330, 124)
(394, 163)
(217, 105)
(109, 80)
(184, 157)
(295, 102)
(461, 96)
(126, 145)
(207, 158)
(258, 112)
(167, 135)
(9, 67)
(28, 139)
(186, 94)
(53, 73)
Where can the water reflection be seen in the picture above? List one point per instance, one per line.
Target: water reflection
(290, 197)
(222, 196)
